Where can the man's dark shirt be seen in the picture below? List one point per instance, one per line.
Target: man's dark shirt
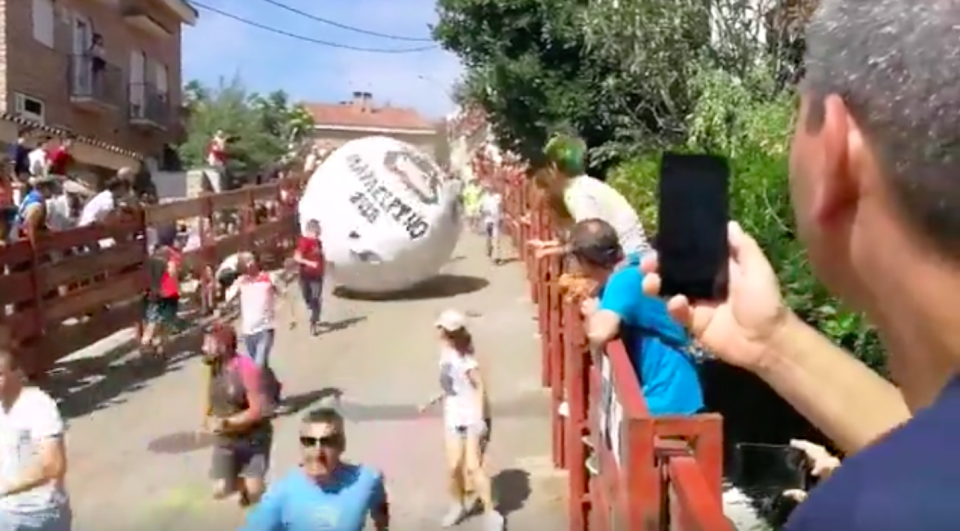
(21, 159)
(909, 480)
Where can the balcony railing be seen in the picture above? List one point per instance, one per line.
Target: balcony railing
(149, 106)
(95, 83)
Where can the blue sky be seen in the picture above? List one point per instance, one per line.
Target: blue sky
(219, 47)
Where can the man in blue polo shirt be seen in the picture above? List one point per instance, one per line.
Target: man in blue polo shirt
(324, 492)
(657, 345)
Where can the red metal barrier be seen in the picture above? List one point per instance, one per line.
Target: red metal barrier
(627, 469)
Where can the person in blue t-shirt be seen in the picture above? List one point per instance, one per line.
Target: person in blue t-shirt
(657, 345)
(324, 492)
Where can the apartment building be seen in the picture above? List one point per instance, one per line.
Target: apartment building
(105, 72)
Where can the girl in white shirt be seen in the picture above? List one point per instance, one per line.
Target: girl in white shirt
(466, 420)
(573, 196)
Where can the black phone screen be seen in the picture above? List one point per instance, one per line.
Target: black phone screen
(773, 466)
(693, 213)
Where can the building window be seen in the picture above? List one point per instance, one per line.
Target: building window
(29, 108)
(44, 22)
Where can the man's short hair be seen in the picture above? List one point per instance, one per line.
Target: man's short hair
(117, 184)
(324, 415)
(897, 67)
(595, 242)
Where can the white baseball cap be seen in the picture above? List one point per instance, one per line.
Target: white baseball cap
(451, 321)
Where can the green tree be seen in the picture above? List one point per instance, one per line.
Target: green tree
(530, 67)
(261, 128)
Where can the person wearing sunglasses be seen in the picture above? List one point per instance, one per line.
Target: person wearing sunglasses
(466, 414)
(324, 492)
(238, 413)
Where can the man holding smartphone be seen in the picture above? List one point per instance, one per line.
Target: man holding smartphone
(656, 344)
(873, 180)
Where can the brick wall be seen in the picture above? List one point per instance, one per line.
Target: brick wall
(3, 49)
(41, 72)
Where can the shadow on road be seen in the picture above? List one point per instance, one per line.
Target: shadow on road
(294, 404)
(181, 442)
(342, 324)
(84, 385)
(439, 287)
(511, 489)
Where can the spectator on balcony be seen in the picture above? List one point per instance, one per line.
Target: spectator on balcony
(657, 345)
(573, 196)
(98, 54)
(874, 164)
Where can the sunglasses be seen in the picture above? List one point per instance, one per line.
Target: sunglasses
(328, 441)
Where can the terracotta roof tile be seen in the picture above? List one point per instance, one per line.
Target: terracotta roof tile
(355, 115)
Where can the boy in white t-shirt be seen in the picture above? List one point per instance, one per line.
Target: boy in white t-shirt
(33, 461)
(491, 207)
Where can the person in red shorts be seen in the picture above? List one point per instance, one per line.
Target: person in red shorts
(309, 256)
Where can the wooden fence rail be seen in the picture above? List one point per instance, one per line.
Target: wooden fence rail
(627, 469)
(76, 287)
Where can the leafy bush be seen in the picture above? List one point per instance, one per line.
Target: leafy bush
(752, 127)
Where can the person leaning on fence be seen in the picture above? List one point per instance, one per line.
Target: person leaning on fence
(31, 219)
(875, 186)
(657, 345)
(572, 196)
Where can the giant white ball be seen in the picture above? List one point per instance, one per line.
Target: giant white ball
(389, 216)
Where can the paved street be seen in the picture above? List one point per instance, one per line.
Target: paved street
(134, 464)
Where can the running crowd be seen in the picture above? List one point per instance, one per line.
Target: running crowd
(243, 398)
(877, 202)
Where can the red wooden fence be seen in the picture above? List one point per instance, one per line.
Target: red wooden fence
(627, 469)
(57, 297)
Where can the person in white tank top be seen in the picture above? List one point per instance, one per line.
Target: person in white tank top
(573, 196)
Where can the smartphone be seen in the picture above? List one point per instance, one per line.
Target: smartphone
(693, 213)
(777, 466)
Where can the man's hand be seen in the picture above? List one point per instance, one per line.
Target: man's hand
(740, 329)
(822, 463)
(215, 424)
(429, 404)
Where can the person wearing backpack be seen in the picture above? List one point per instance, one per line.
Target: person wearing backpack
(240, 402)
(162, 300)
